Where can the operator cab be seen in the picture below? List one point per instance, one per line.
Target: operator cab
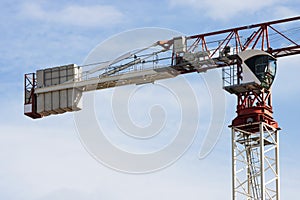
(258, 70)
(264, 68)
(258, 67)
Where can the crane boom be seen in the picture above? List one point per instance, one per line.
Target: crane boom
(161, 60)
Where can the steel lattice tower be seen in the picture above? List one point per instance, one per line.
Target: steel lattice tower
(255, 140)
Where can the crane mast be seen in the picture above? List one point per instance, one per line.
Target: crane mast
(247, 56)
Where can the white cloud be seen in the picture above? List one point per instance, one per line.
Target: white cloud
(285, 85)
(90, 16)
(282, 11)
(54, 163)
(224, 9)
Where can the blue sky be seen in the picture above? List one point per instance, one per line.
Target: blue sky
(44, 159)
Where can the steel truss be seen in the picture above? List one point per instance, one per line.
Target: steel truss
(255, 161)
(30, 96)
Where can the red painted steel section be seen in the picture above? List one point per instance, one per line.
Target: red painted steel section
(254, 106)
(246, 27)
(260, 33)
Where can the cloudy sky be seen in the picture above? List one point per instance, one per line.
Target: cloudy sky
(45, 159)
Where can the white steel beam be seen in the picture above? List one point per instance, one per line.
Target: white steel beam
(255, 163)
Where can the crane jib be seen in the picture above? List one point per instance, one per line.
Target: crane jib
(160, 60)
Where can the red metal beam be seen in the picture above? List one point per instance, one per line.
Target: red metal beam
(286, 51)
(260, 33)
(245, 27)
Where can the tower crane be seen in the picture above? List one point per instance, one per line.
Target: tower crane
(247, 56)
